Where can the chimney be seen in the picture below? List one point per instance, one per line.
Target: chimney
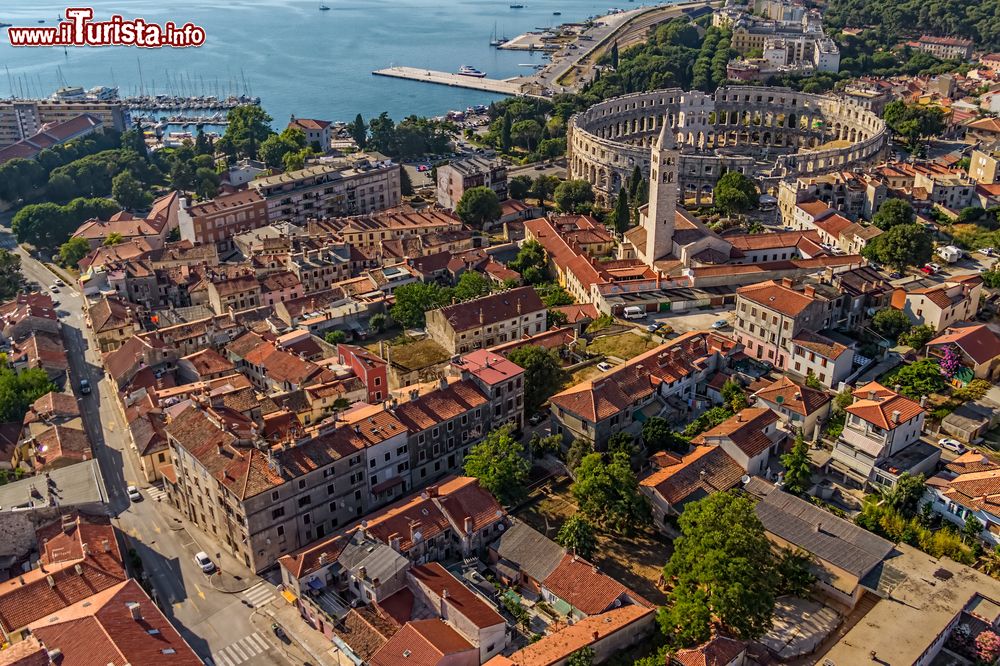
(394, 542)
(135, 610)
(871, 394)
(923, 401)
(468, 524)
(798, 396)
(786, 282)
(739, 417)
(897, 388)
(50, 580)
(363, 573)
(414, 531)
(432, 491)
(895, 416)
(809, 290)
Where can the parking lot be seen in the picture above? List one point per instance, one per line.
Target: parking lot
(694, 320)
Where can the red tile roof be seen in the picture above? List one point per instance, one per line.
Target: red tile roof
(706, 470)
(775, 296)
(102, 630)
(421, 643)
(819, 344)
(719, 651)
(795, 397)
(579, 583)
(978, 341)
(440, 405)
(450, 591)
(491, 368)
(876, 404)
(745, 430)
(492, 309)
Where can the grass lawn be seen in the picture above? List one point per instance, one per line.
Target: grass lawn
(635, 561)
(581, 375)
(417, 354)
(623, 345)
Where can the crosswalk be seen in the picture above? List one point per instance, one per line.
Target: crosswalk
(156, 493)
(259, 594)
(242, 650)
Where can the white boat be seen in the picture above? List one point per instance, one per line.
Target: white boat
(468, 70)
(324, 8)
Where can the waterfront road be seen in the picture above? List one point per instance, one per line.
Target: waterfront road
(217, 625)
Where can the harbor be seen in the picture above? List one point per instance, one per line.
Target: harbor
(506, 87)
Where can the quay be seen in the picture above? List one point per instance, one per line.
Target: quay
(507, 87)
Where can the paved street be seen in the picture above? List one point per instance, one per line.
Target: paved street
(212, 622)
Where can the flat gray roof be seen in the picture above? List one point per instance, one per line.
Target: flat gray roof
(70, 486)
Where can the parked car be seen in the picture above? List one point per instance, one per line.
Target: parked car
(989, 251)
(721, 323)
(202, 559)
(59, 283)
(604, 366)
(895, 275)
(952, 445)
(652, 328)
(279, 632)
(54, 288)
(134, 494)
(85, 386)
(536, 418)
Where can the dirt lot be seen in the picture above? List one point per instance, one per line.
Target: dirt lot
(623, 346)
(415, 355)
(636, 561)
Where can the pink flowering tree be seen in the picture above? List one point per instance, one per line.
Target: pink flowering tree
(988, 646)
(951, 362)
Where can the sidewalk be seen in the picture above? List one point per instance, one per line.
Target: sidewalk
(314, 647)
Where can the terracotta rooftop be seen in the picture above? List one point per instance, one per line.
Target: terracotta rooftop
(745, 430)
(453, 593)
(877, 405)
(978, 341)
(819, 344)
(422, 643)
(440, 405)
(493, 308)
(579, 583)
(490, 367)
(775, 296)
(795, 397)
(706, 470)
(719, 651)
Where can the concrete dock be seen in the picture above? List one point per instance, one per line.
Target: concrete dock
(508, 87)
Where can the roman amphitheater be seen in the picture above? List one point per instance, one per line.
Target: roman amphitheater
(766, 133)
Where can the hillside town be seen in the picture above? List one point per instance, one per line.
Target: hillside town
(694, 371)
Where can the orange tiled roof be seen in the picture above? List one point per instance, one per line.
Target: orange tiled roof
(796, 397)
(775, 296)
(579, 583)
(876, 404)
(706, 470)
(421, 643)
(978, 341)
(745, 430)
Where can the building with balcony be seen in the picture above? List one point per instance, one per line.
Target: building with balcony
(880, 426)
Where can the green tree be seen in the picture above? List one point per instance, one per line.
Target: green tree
(578, 535)
(798, 470)
(917, 337)
(19, 389)
(526, 134)
(10, 274)
(707, 421)
(578, 449)
(892, 213)
(920, 378)
(812, 381)
(472, 284)
(913, 121)
(722, 572)
(335, 337)
(901, 246)
(248, 127)
(972, 529)
(658, 435)
(543, 374)
(615, 57)
(505, 136)
(358, 131)
(891, 323)
(622, 213)
(518, 187)
(112, 239)
(572, 195)
(72, 251)
(735, 395)
(377, 322)
(500, 465)
(795, 576)
(530, 262)
(607, 493)
(543, 187)
(414, 301)
(543, 446)
(405, 184)
(127, 191)
(906, 495)
(478, 207)
(584, 656)
(735, 193)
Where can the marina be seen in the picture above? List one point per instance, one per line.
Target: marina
(507, 87)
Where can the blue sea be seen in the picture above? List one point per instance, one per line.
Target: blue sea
(297, 59)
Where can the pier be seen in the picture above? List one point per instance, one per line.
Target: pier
(507, 87)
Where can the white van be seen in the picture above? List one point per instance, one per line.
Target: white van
(635, 312)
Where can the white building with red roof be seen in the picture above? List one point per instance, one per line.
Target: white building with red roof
(317, 131)
(978, 344)
(750, 437)
(798, 405)
(880, 426)
(969, 486)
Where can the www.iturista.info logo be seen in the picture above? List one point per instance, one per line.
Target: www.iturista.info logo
(79, 29)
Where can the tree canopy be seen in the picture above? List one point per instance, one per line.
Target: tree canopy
(721, 573)
(892, 213)
(478, 207)
(19, 389)
(920, 378)
(891, 323)
(607, 493)
(573, 195)
(415, 300)
(914, 121)
(735, 193)
(798, 471)
(578, 535)
(901, 246)
(500, 465)
(543, 374)
(248, 127)
(10, 274)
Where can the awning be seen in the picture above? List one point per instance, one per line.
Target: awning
(315, 584)
(289, 596)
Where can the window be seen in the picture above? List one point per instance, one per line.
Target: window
(329, 489)
(281, 530)
(274, 496)
(278, 513)
(305, 501)
(371, 463)
(302, 484)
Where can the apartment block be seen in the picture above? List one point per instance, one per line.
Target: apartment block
(20, 119)
(455, 178)
(488, 321)
(218, 220)
(330, 190)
